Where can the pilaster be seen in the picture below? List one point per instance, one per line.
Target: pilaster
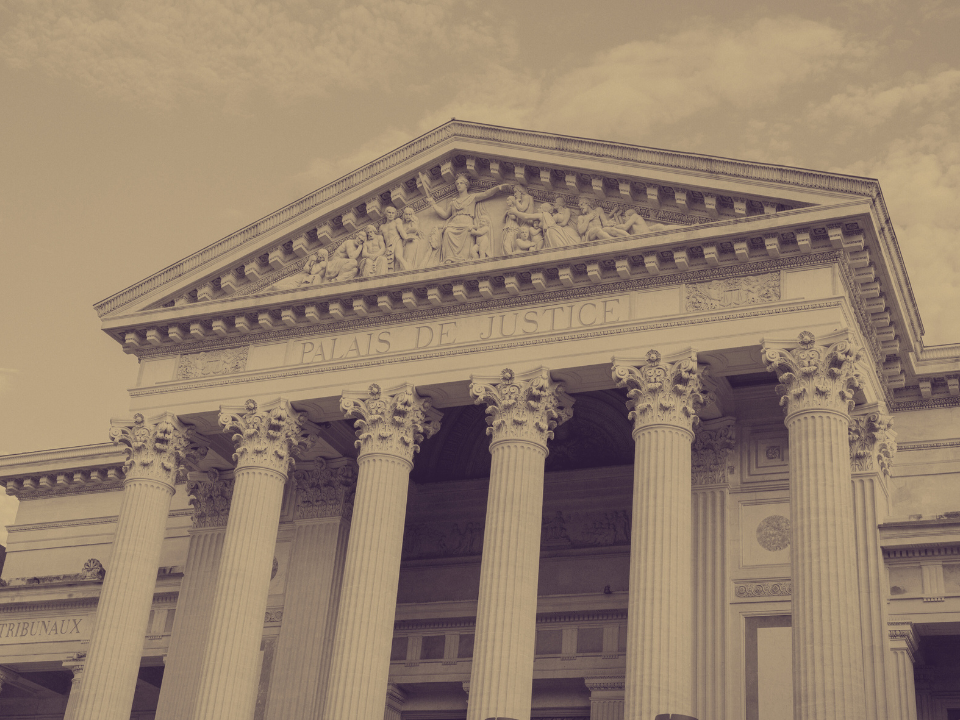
(210, 495)
(390, 425)
(156, 452)
(904, 646)
(664, 396)
(713, 443)
(522, 411)
(74, 664)
(817, 386)
(606, 697)
(872, 448)
(324, 504)
(267, 440)
(395, 700)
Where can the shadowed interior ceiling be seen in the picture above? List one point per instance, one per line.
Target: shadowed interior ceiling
(598, 435)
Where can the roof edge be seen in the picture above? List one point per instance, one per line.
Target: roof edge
(477, 131)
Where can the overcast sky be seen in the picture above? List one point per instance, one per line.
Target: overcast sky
(135, 132)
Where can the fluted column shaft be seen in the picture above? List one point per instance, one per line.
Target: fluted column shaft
(501, 679)
(390, 424)
(660, 608)
(75, 682)
(154, 452)
(181, 677)
(827, 654)
(266, 440)
(230, 671)
(368, 599)
(710, 602)
(606, 698)
(302, 663)
(904, 697)
(113, 659)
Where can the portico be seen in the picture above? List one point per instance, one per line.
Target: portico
(611, 477)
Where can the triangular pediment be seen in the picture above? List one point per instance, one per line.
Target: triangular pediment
(527, 193)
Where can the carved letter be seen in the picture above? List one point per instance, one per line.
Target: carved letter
(383, 339)
(531, 321)
(420, 330)
(445, 333)
(307, 349)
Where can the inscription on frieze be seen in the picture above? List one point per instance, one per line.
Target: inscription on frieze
(512, 325)
(213, 362)
(732, 292)
(58, 628)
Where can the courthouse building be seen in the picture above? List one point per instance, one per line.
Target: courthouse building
(516, 425)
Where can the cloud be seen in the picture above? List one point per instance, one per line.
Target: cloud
(640, 85)
(161, 52)
(872, 106)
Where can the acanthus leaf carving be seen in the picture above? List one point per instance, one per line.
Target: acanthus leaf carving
(210, 496)
(662, 391)
(326, 489)
(732, 292)
(815, 377)
(92, 570)
(159, 449)
(713, 441)
(873, 442)
(525, 407)
(212, 362)
(271, 437)
(394, 422)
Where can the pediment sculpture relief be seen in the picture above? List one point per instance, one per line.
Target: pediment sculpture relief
(473, 220)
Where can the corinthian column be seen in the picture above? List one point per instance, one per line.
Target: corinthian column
(522, 412)
(663, 399)
(155, 453)
(266, 440)
(713, 442)
(324, 503)
(389, 426)
(903, 696)
(210, 495)
(817, 388)
(872, 447)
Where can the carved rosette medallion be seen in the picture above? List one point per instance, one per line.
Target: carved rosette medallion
(661, 391)
(210, 498)
(92, 570)
(712, 444)
(394, 422)
(873, 443)
(773, 533)
(158, 449)
(526, 407)
(325, 490)
(815, 377)
(271, 437)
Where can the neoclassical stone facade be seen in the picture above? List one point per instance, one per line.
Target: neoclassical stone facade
(510, 425)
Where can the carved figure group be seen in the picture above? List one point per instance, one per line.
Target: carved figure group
(467, 233)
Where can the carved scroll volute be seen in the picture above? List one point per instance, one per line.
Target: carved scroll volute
(812, 376)
(662, 391)
(393, 422)
(873, 443)
(269, 437)
(522, 407)
(210, 496)
(160, 448)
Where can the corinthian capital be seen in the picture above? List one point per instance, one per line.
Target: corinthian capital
(269, 437)
(326, 489)
(662, 391)
(210, 496)
(157, 448)
(525, 407)
(873, 443)
(394, 421)
(812, 376)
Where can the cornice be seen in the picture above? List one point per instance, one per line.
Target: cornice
(296, 371)
(104, 520)
(938, 445)
(705, 166)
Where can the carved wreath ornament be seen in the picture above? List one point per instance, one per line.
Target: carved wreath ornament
(813, 376)
(395, 424)
(272, 438)
(157, 450)
(662, 392)
(523, 408)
